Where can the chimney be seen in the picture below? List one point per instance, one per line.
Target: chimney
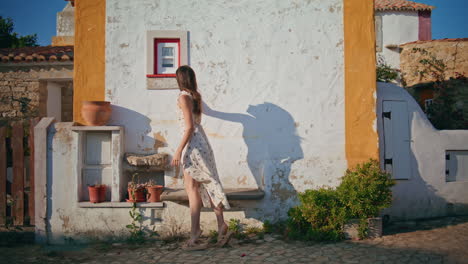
(65, 26)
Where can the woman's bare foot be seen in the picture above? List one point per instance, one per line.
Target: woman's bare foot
(222, 231)
(192, 244)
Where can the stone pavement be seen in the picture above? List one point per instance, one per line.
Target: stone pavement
(437, 241)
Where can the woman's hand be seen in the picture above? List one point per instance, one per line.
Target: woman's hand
(176, 159)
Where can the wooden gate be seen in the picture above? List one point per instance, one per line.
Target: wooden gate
(17, 173)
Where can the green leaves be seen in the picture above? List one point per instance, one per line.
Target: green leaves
(363, 193)
(10, 39)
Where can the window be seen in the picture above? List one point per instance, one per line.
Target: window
(165, 51)
(427, 103)
(166, 57)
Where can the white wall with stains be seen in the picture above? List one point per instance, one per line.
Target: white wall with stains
(425, 193)
(398, 27)
(270, 73)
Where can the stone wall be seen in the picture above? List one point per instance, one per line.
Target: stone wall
(453, 52)
(15, 85)
(31, 83)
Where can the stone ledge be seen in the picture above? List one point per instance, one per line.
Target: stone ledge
(153, 162)
(119, 205)
(232, 194)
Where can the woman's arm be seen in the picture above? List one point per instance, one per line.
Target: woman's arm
(186, 106)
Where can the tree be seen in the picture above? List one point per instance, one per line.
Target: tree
(10, 39)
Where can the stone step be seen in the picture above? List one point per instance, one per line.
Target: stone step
(232, 194)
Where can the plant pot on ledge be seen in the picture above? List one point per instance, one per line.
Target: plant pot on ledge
(136, 195)
(154, 193)
(97, 193)
(96, 113)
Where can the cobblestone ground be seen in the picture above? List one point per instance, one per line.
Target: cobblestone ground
(436, 241)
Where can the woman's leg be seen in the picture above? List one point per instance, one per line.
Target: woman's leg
(195, 203)
(222, 226)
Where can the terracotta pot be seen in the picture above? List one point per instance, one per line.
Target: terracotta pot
(96, 113)
(102, 193)
(154, 193)
(94, 194)
(139, 195)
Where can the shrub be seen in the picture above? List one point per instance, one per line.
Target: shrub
(366, 190)
(385, 73)
(322, 213)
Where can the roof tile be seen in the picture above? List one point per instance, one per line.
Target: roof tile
(400, 5)
(37, 54)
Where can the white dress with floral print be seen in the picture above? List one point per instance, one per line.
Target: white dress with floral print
(198, 161)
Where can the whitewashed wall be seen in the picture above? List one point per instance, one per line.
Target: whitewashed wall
(271, 71)
(398, 27)
(426, 193)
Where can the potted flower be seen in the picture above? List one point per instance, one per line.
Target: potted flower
(154, 192)
(97, 193)
(136, 191)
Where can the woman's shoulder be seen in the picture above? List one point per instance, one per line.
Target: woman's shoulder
(185, 93)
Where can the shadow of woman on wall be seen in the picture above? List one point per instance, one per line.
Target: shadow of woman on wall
(270, 134)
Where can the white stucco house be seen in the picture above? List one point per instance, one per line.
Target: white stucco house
(290, 104)
(398, 22)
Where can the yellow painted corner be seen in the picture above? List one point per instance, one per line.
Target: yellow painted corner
(360, 82)
(89, 54)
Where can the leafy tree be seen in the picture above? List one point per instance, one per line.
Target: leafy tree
(10, 39)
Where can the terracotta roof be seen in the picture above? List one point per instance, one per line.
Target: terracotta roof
(37, 54)
(400, 5)
(436, 40)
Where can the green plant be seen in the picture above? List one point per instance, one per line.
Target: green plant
(385, 73)
(365, 190)
(236, 227)
(322, 213)
(320, 216)
(137, 233)
(213, 236)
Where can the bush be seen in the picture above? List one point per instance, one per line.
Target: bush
(322, 213)
(366, 190)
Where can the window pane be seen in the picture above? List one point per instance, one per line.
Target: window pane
(168, 63)
(168, 51)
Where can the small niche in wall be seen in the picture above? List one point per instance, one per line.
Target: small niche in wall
(456, 166)
(99, 161)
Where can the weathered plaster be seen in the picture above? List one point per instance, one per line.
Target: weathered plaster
(426, 194)
(265, 117)
(360, 81)
(398, 27)
(89, 53)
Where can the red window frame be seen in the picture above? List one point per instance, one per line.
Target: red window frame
(155, 62)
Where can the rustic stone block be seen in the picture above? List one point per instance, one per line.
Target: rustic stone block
(155, 160)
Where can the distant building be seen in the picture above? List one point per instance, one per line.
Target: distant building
(398, 22)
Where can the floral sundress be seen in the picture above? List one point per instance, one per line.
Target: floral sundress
(198, 161)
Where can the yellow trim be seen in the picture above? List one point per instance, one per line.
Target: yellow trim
(360, 82)
(89, 57)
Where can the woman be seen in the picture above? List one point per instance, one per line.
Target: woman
(200, 175)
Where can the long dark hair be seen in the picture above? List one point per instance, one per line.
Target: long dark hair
(187, 81)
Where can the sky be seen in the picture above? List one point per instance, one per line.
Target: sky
(449, 19)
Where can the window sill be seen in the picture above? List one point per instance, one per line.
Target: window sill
(119, 205)
(160, 76)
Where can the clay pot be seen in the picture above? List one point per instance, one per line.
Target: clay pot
(139, 195)
(154, 193)
(102, 193)
(95, 193)
(96, 113)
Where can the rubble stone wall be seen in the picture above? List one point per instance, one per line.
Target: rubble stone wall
(17, 84)
(453, 52)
